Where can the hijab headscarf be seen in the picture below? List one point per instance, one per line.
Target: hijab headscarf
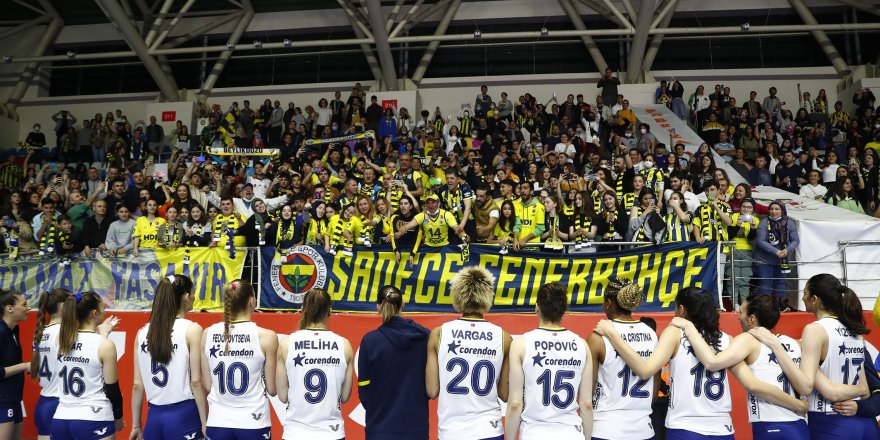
(779, 227)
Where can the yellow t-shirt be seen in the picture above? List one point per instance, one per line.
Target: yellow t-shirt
(435, 229)
(338, 224)
(148, 232)
(741, 238)
(498, 233)
(529, 217)
(333, 180)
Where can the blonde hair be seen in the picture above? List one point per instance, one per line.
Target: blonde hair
(235, 300)
(473, 290)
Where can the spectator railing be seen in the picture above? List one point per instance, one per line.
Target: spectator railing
(844, 244)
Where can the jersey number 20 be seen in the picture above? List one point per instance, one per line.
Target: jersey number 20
(481, 386)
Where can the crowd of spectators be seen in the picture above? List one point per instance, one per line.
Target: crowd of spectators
(520, 173)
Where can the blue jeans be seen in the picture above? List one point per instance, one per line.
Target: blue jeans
(770, 280)
(680, 110)
(98, 154)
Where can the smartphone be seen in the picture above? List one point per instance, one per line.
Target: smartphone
(10, 223)
(200, 159)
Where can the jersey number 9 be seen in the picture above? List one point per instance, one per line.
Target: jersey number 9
(315, 382)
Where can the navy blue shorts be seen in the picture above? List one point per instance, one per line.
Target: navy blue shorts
(176, 421)
(215, 433)
(835, 426)
(10, 413)
(500, 437)
(796, 430)
(43, 414)
(81, 429)
(681, 434)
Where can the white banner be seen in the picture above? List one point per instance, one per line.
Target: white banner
(664, 122)
(821, 228)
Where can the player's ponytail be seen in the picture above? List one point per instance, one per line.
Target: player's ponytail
(838, 300)
(851, 312)
(390, 302)
(315, 309)
(236, 298)
(166, 304)
(76, 309)
(48, 306)
(702, 312)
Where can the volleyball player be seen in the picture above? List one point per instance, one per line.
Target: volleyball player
(833, 351)
(467, 362)
(621, 400)
(699, 406)
(236, 354)
(314, 374)
(167, 350)
(550, 375)
(90, 406)
(44, 362)
(769, 420)
(15, 310)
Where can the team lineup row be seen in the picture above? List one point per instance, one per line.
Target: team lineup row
(215, 383)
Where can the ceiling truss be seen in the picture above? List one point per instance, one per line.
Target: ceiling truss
(377, 26)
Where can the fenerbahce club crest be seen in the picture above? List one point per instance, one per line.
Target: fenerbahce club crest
(295, 273)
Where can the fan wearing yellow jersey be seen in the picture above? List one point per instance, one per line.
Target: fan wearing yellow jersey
(530, 213)
(435, 223)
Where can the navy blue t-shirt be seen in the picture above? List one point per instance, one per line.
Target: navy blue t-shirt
(11, 388)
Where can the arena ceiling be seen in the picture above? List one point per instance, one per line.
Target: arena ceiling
(76, 12)
(156, 33)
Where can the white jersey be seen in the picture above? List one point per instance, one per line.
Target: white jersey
(843, 361)
(621, 400)
(699, 399)
(553, 365)
(470, 358)
(238, 396)
(315, 367)
(169, 383)
(82, 382)
(766, 368)
(50, 381)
